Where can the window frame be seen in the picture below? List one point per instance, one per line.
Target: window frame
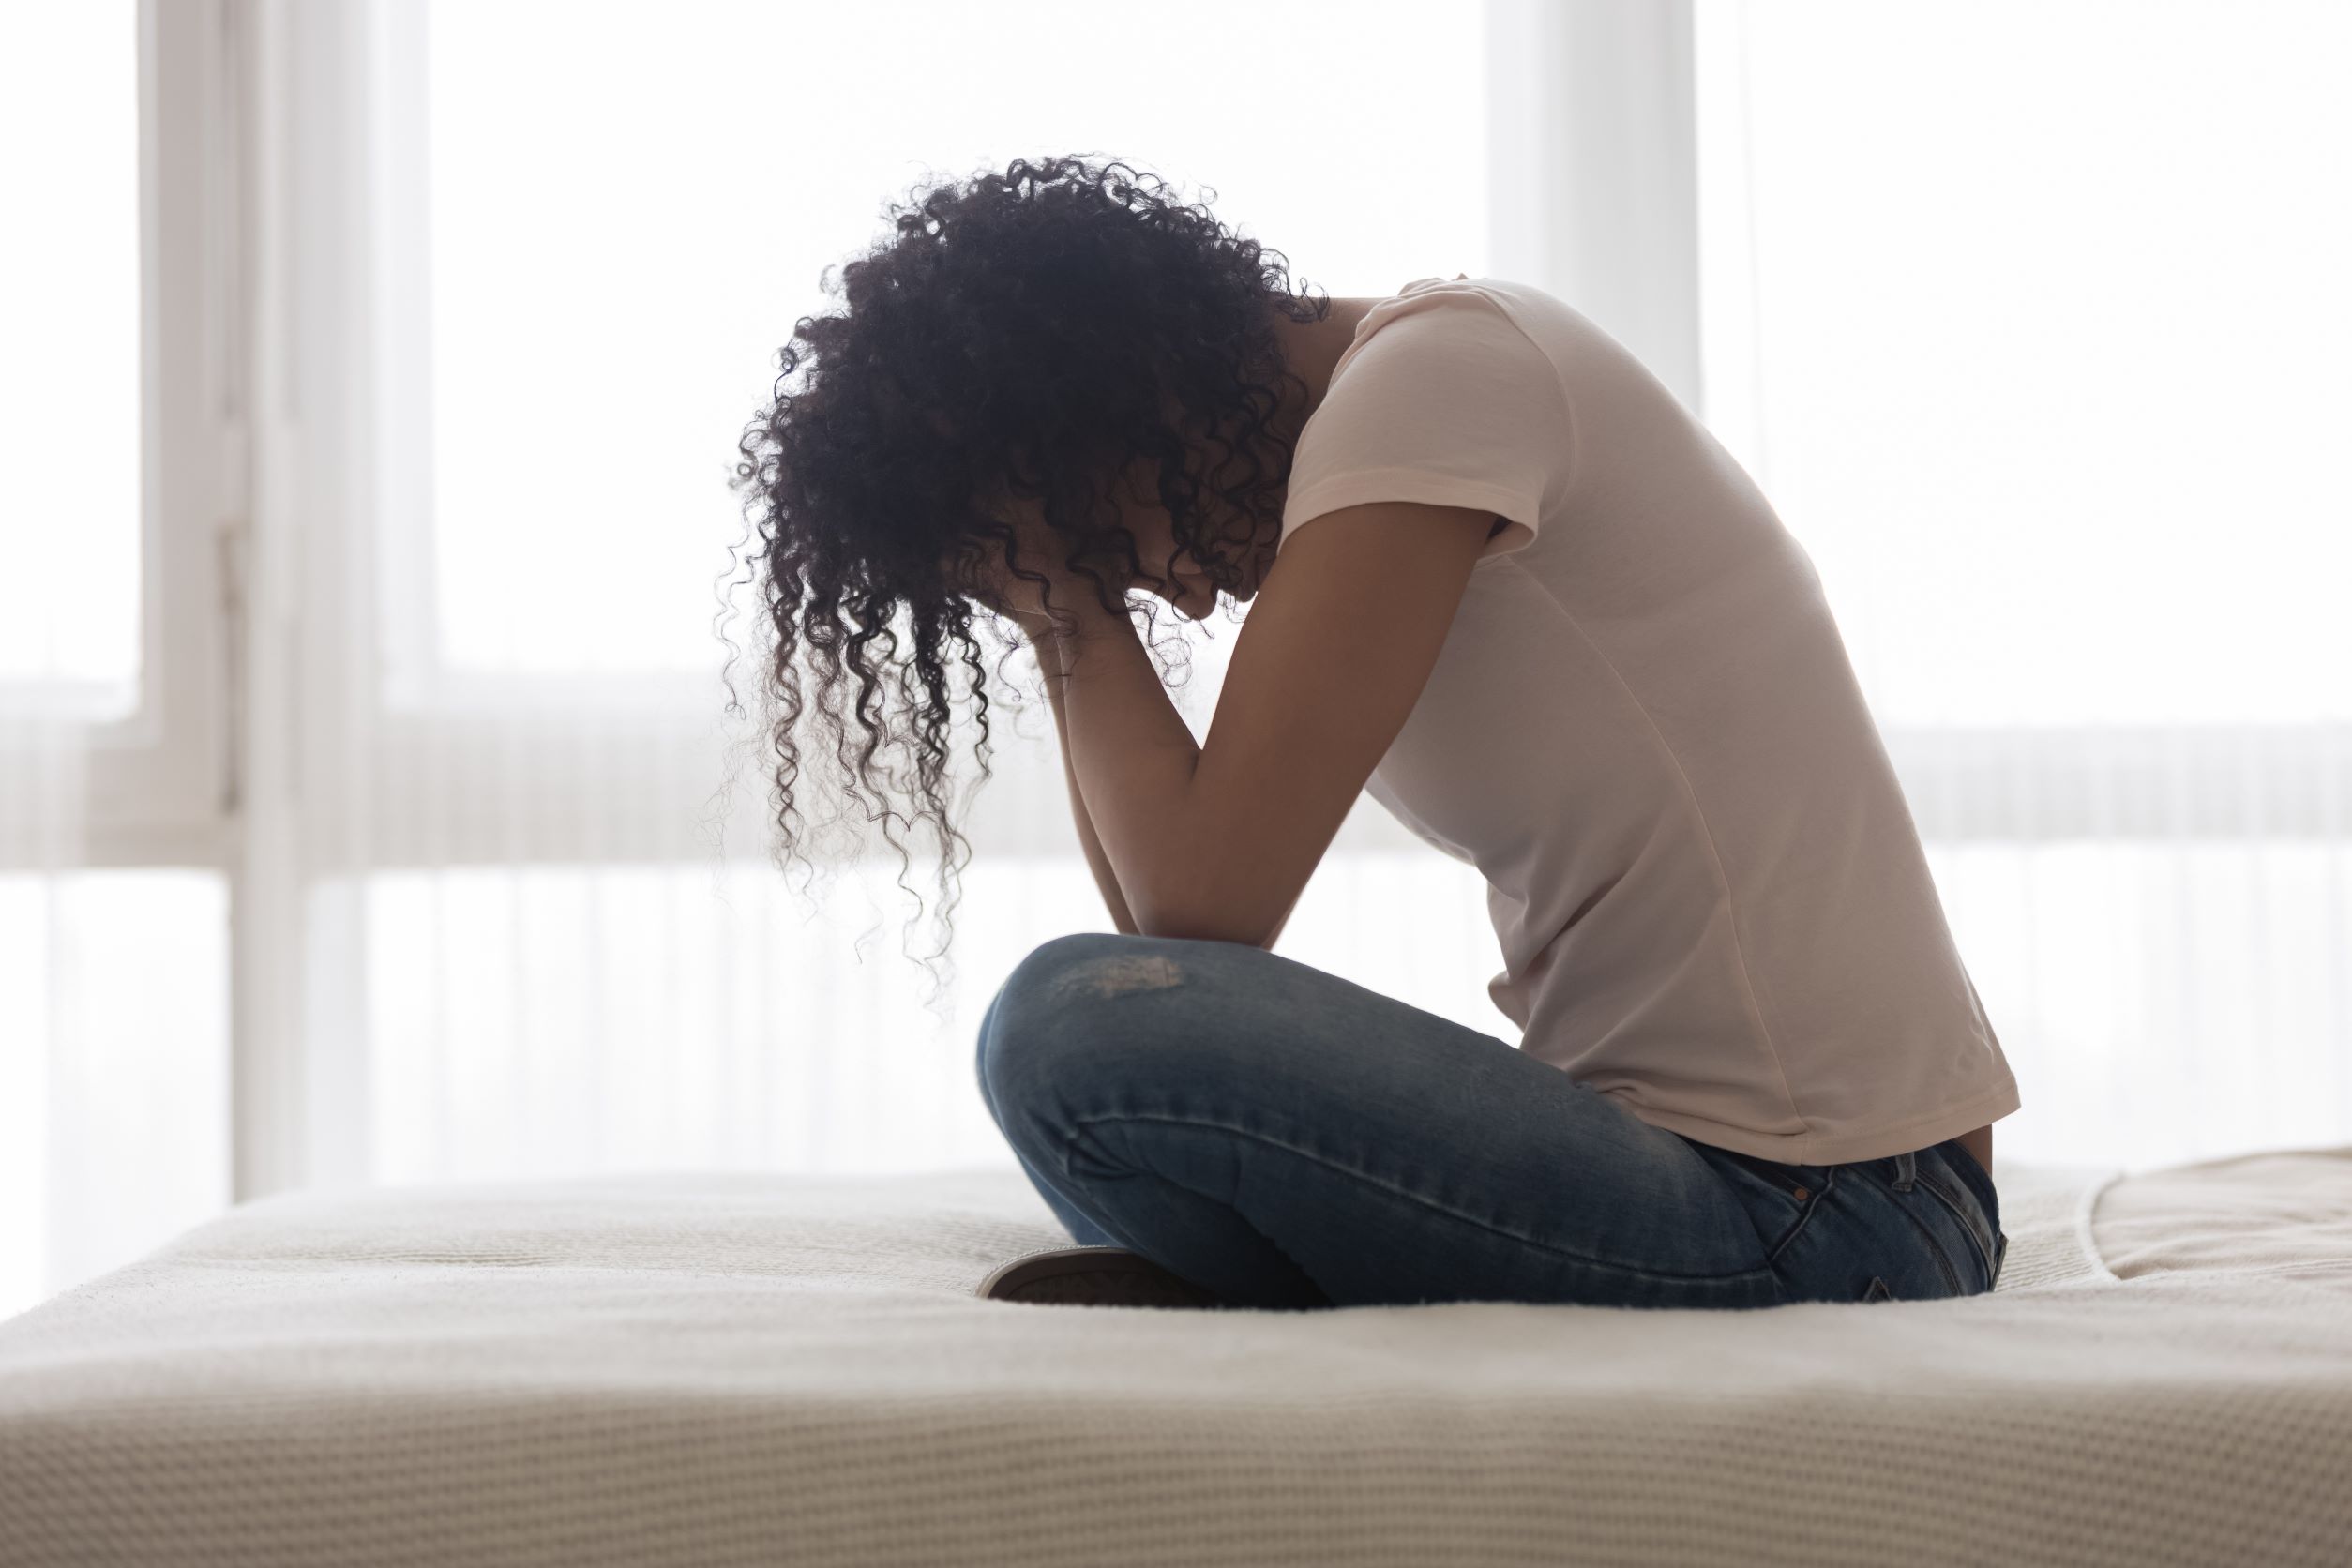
(158, 787)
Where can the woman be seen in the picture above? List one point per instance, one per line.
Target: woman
(1506, 584)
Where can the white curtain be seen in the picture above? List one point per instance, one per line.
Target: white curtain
(113, 985)
(2031, 321)
(508, 341)
(394, 857)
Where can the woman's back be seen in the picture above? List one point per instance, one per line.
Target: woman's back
(1643, 729)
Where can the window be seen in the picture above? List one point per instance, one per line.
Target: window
(2038, 351)
(564, 317)
(114, 1129)
(70, 610)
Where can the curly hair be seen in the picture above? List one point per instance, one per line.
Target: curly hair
(1045, 332)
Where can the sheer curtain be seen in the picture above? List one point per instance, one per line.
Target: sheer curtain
(2033, 321)
(113, 995)
(517, 927)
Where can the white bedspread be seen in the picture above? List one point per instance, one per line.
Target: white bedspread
(748, 1370)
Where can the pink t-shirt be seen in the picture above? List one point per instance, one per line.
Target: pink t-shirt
(1644, 731)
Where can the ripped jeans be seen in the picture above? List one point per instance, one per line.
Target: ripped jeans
(1284, 1139)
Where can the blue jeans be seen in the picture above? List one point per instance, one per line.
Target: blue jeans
(1284, 1139)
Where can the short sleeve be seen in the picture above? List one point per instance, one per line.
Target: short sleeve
(1442, 399)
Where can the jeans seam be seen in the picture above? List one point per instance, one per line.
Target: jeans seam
(1984, 1251)
(1943, 1258)
(1367, 1178)
(1805, 1217)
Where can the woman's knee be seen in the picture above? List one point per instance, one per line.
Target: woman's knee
(1043, 1005)
(1093, 964)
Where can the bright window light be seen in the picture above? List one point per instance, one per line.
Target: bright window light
(2032, 321)
(626, 219)
(70, 313)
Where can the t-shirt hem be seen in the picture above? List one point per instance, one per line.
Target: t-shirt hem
(1915, 1133)
(1366, 486)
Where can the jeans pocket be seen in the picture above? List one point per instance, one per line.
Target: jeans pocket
(1779, 1199)
(1867, 1241)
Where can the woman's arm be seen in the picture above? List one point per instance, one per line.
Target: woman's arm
(1042, 642)
(1217, 840)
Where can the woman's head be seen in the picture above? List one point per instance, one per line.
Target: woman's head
(1060, 348)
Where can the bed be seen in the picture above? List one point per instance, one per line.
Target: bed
(738, 1371)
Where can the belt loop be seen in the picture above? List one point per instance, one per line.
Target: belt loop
(1906, 1171)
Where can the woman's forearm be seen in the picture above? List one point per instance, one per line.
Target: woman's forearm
(1135, 760)
(1042, 643)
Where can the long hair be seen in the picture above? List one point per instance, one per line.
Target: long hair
(1045, 332)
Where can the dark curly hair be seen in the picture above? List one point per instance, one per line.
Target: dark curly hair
(1046, 332)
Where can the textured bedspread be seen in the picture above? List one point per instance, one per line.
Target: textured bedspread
(761, 1370)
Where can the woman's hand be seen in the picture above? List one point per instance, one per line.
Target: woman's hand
(1021, 599)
